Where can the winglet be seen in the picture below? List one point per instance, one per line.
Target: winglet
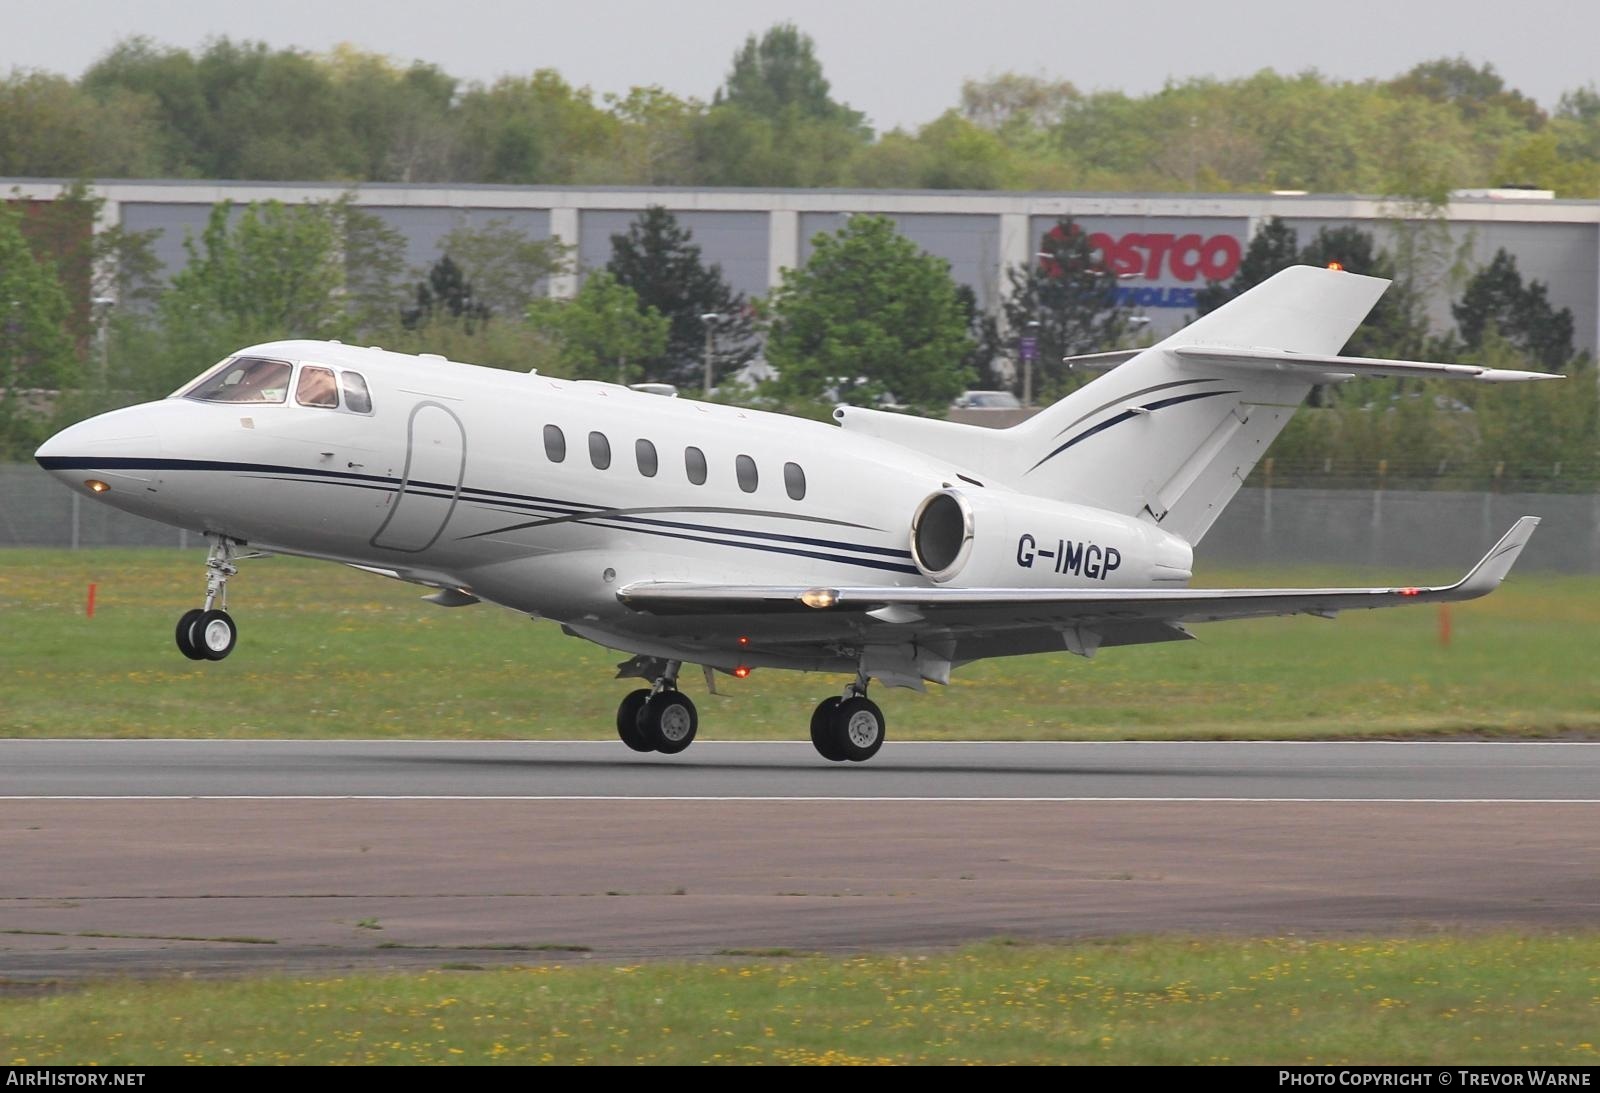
(1487, 574)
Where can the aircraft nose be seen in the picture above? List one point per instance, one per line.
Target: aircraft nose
(123, 444)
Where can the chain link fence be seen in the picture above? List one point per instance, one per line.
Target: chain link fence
(1387, 528)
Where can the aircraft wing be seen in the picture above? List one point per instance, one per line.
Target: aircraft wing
(1000, 608)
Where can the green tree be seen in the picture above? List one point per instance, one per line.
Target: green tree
(51, 128)
(658, 260)
(374, 266)
(1473, 90)
(1497, 300)
(446, 294)
(507, 267)
(36, 353)
(260, 273)
(871, 317)
(602, 332)
(274, 270)
(533, 129)
(778, 75)
(1067, 301)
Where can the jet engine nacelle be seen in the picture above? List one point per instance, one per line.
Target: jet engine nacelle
(994, 539)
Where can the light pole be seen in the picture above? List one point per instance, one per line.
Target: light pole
(1030, 341)
(710, 319)
(102, 313)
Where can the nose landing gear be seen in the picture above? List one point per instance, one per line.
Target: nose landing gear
(209, 633)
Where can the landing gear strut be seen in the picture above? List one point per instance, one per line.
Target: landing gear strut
(209, 633)
(659, 719)
(848, 728)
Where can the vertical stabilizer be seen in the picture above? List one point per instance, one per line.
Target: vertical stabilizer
(1173, 440)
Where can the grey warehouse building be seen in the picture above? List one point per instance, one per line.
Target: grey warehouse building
(1164, 246)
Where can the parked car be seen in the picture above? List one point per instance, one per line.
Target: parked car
(987, 400)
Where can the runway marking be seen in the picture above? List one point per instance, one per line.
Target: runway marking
(797, 743)
(811, 799)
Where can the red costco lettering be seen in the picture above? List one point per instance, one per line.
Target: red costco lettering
(1220, 258)
(1157, 256)
(1186, 256)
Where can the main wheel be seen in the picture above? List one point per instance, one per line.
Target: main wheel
(822, 729)
(628, 721)
(186, 637)
(214, 634)
(858, 728)
(668, 721)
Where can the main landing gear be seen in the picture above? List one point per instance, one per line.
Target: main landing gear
(659, 719)
(209, 633)
(848, 728)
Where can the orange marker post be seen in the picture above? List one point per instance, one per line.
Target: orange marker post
(89, 610)
(1444, 625)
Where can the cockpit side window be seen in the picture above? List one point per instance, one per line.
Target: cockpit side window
(244, 379)
(316, 387)
(357, 399)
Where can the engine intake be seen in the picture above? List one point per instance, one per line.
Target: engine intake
(991, 538)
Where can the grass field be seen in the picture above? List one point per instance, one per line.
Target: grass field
(1447, 1000)
(326, 651)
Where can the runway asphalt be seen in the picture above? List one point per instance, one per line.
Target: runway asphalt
(223, 858)
(728, 770)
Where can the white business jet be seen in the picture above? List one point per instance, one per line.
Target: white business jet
(887, 548)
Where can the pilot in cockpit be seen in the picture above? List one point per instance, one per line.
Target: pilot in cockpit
(316, 387)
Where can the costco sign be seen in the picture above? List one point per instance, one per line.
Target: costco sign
(1188, 258)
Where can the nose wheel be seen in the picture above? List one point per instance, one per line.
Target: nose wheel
(209, 632)
(206, 635)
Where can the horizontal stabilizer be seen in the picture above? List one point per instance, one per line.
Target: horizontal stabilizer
(1308, 365)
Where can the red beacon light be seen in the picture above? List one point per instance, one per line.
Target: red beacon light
(740, 672)
(1336, 265)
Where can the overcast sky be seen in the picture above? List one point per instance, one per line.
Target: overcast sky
(901, 62)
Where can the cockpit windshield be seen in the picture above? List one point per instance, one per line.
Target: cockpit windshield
(244, 379)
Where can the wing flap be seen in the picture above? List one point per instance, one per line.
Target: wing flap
(1004, 608)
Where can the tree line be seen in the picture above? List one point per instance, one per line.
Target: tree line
(243, 110)
(870, 320)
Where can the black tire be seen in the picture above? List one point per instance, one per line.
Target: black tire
(185, 636)
(628, 720)
(822, 729)
(858, 729)
(669, 721)
(214, 634)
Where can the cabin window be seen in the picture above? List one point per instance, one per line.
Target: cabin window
(744, 469)
(316, 387)
(245, 379)
(357, 398)
(694, 464)
(599, 451)
(645, 453)
(555, 444)
(794, 481)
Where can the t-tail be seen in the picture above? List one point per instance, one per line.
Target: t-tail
(1171, 434)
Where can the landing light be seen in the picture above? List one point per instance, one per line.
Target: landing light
(95, 485)
(819, 597)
